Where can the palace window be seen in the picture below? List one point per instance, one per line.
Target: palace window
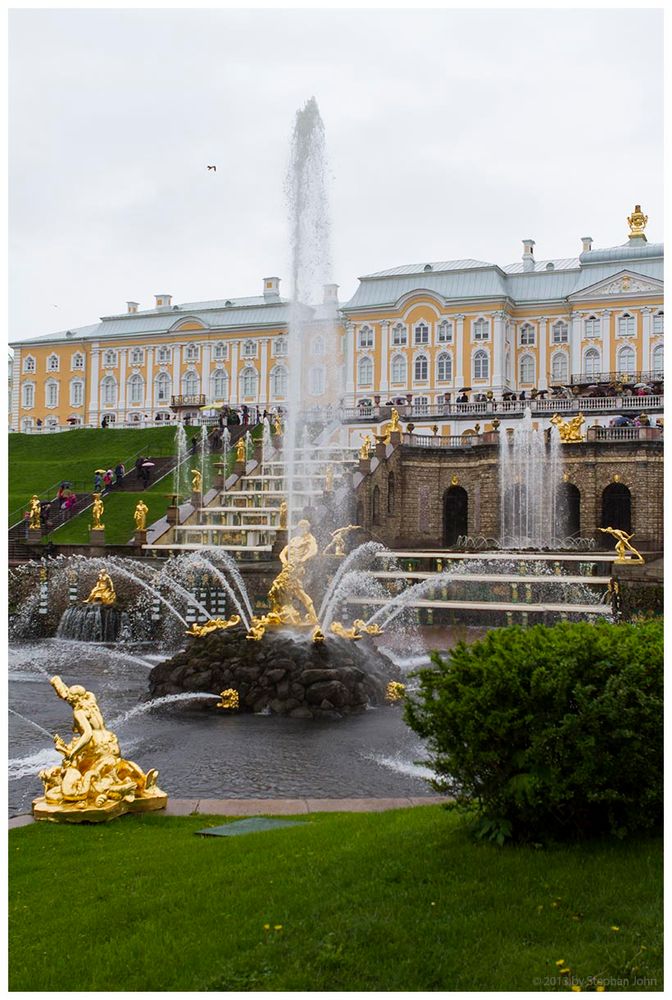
(191, 352)
(365, 338)
(399, 369)
(248, 381)
(162, 387)
(421, 334)
(421, 368)
(52, 363)
(658, 360)
(591, 362)
(560, 333)
(399, 335)
(626, 325)
(29, 364)
(250, 349)
(280, 347)
(136, 389)
(527, 369)
(76, 393)
(163, 355)
(51, 393)
(316, 380)
(481, 365)
(527, 335)
(658, 322)
(190, 384)
(109, 391)
(445, 332)
(279, 382)
(591, 327)
(317, 347)
(365, 371)
(220, 385)
(137, 355)
(626, 361)
(220, 352)
(28, 395)
(110, 359)
(559, 367)
(481, 330)
(51, 423)
(77, 363)
(421, 406)
(444, 368)
(27, 425)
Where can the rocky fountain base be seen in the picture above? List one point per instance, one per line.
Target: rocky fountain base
(283, 673)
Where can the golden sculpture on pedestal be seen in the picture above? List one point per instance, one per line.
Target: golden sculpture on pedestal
(570, 431)
(97, 512)
(140, 515)
(637, 221)
(212, 625)
(623, 545)
(241, 451)
(102, 591)
(277, 424)
(282, 519)
(93, 782)
(35, 510)
(393, 427)
(365, 450)
(196, 481)
(337, 543)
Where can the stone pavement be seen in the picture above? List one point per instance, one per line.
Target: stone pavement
(274, 807)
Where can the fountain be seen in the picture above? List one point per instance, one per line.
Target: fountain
(530, 472)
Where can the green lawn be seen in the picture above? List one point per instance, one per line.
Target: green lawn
(37, 462)
(396, 901)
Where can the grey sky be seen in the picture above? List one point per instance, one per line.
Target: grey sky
(450, 134)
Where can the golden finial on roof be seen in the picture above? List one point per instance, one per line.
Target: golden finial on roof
(637, 222)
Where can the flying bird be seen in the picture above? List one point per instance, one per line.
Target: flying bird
(213, 168)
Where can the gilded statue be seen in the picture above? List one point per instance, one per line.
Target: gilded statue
(277, 424)
(345, 633)
(569, 430)
(282, 519)
(329, 479)
(394, 426)
(623, 545)
(229, 698)
(97, 512)
(102, 591)
(140, 515)
(241, 451)
(290, 604)
(337, 544)
(93, 782)
(213, 625)
(369, 629)
(365, 450)
(637, 221)
(196, 481)
(35, 510)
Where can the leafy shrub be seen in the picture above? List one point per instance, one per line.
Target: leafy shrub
(549, 731)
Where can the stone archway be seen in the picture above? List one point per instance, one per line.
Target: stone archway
(569, 510)
(616, 510)
(455, 515)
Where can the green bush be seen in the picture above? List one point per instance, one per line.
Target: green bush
(549, 731)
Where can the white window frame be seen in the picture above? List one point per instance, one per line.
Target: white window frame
(481, 330)
(421, 333)
(444, 327)
(484, 358)
(631, 354)
(49, 385)
(249, 382)
(317, 381)
(219, 375)
(402, 359)
(421, 406)
(137, 356)
(280, 347)
(110, 359)
(192, 352)
(53, 363)
(29, 364)
(564, 374)
(249, 350)
(280, 374)
(365, 362)
(560, 332)
(74, 367)
(528, 335)
(659, 369)
(28, 388)
(163, 378)
(658, 324)
(163, 355)
(592, 361)
(135, 381)
(109, 382)
(445, 357)
(188, 378)
(220, 351)
(365, 337)
(626, 325)
(76, 384)
(592, 327)
(399, 335)
(421, 359)
(530, 364)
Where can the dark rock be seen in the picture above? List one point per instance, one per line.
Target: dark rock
(276, 675)
(312, 676)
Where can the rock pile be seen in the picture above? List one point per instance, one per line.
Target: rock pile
(288, 675)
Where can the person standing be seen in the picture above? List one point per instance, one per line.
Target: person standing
(119, 472)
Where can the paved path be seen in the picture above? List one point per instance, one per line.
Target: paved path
(273, 807)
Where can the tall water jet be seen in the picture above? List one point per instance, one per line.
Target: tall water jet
(205, 465)
(180, 480)
(530, 472)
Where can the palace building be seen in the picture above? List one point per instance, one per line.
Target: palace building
(419, 334)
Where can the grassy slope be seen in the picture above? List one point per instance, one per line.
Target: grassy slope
(36, 462)
(390, 902)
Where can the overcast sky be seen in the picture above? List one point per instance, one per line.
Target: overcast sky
(450, 134)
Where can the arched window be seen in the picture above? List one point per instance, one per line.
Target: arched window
(137, 355)
(248, 381)
(162, 387)
(626, 361)
(279, 382)
(445, 332)
(626, 325)
(421, 368)
(29, 364)
(591, 362)
(109, 391)
(527, 369)
(658, 322)
(658, 360)
(526, 335)
(399, 335)
(77, 363)
(190, 384)
(317, 347)
(219, 352)
(51, 393)
(365, 371)
(316, 380)
(110, 359)
(481, 365)
(399, 369)
(52, 363)
(560, 333)
(220, 385)
(365, 336)
(375, 505)
(136, 389)
(76, 392)
(28, 395)
(481, 329)
(592, 327)
(444, 367)
(559, 367)
(250, 349)
(421, 334)
(390, 493)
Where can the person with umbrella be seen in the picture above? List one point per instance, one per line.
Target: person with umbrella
(98, 480)
(147, 467)
(138, 466)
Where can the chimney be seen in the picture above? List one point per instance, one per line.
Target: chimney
(587, 242)
(163, 301)
(271, 288)
(528, 255)
(330, 295)
(132, 307)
